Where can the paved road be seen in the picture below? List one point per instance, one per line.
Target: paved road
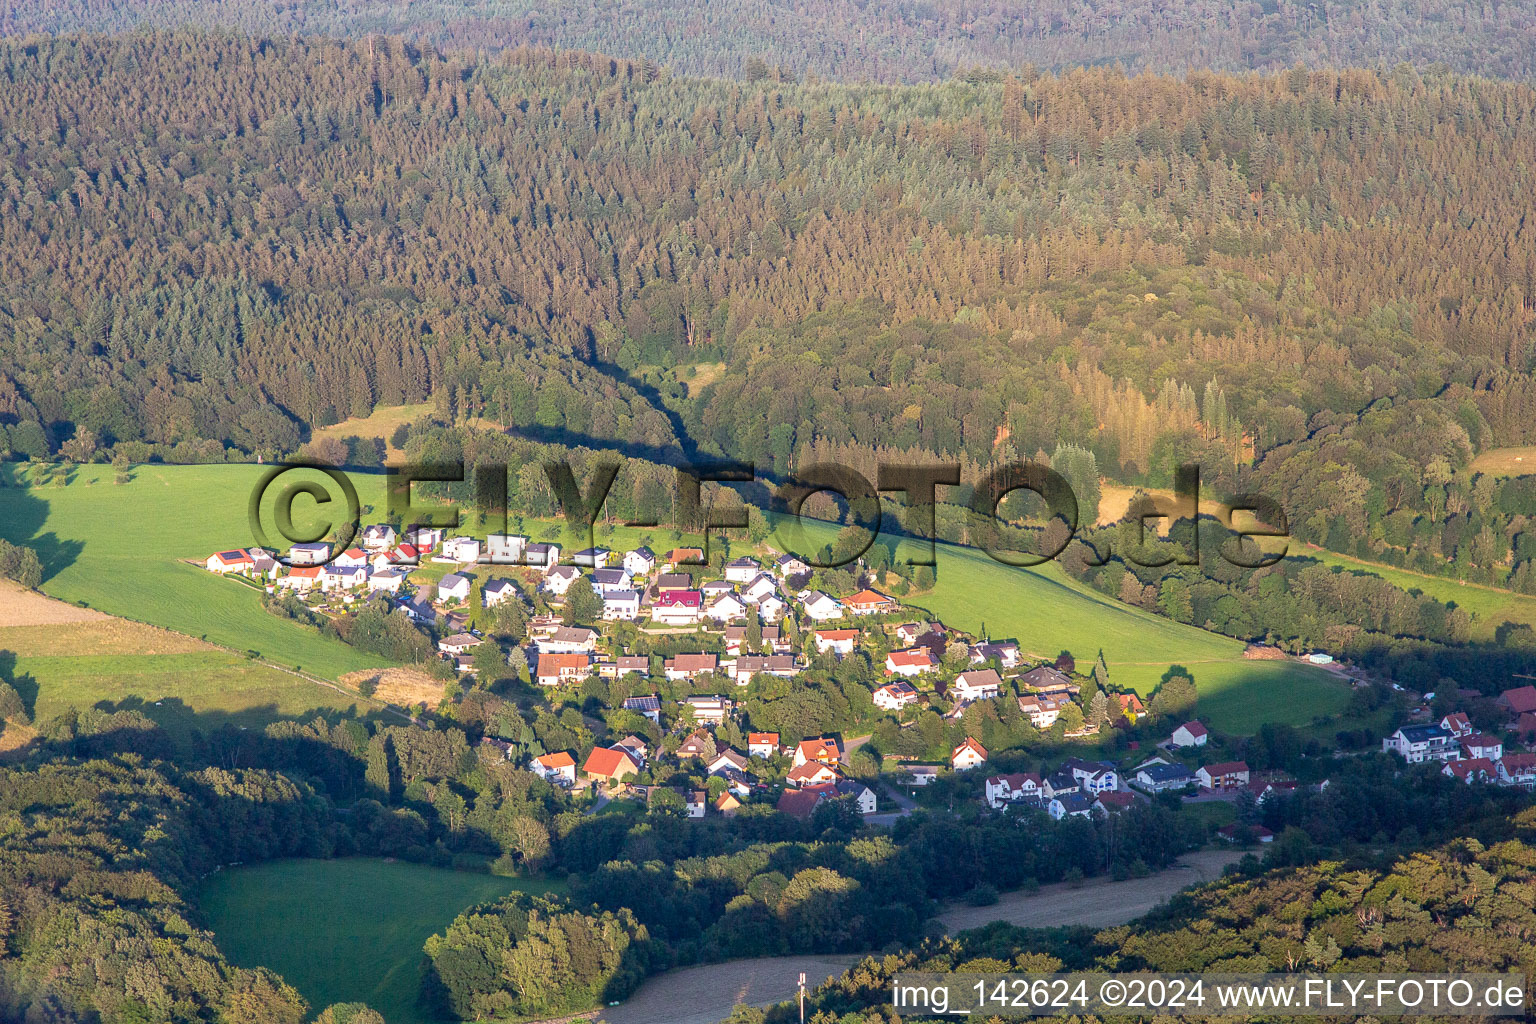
(1096, 904)
(705, 995)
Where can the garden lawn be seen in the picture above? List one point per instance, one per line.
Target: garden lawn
(347, 930)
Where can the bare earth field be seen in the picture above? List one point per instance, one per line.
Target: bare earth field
(704, 995)
(22, 607)
(1094, 904)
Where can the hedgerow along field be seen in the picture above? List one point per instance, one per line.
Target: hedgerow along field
(121, 548)
(346, 930)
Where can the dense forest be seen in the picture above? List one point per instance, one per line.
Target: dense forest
(880, 41)
(1272, 276)
(109, 822)
(1464, 906)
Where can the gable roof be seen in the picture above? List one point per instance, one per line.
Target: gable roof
(868, 599)
(1520, 700)
(917, 657)
(559, 759)
(1224, 768)
(607, 761)
(1195, 729)
(969, 744)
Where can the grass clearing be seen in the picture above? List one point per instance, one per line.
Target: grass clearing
(344, 930)
(1519, 461)
(381, 424)
(1490, 607)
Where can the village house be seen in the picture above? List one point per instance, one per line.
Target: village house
(841, 642)
(711, 709)
(1042, 711)
(453, 587)
(635, 747)
(726, 805)
(726, 608)
(343, 577)
(1475, 745)
(821, 607)
(1457, 724)
(1047, 679)
(223, 562)
(425, 538)
(1160, 776)
(1093, 776)
(639, 562)
(569, 640)
(799, 803)
(648, 705)
(1006, 653)
(591, 558)
(697, 744)
(1226, 775)
(920, 774)
(1518, 770)
(742, 570)
(759, 589)
(860, 795)
(869, 602)
(822, 749)
(895, 696)
(1058, 782)
(677, 608)
(921, 634)
(1130, 705)
(762, 744)
(621, 605)
(748, 665)
(309, 554)
(301, 578)
(543, 557)
(1190, 734)
(1232, 833)
(554, 669)
(711, 589)
(811, 773)
(639, 664)
(351, 558)
(1113, 802)
(458, 643)
(421, 611)
(558, 580)
(378, 537)
(977, 684)
(1001, 790)
(969, 754)
(789, 565)
(913, 662)
(689, 666)
(725, 760)
(558, 767)
(1416, 743)
(497, 592)
(1470, 770)
(505, 548)
(1519, 701)
(606, 581)
(694, 802)
(683, 556)
(772, 608)
(609, 766)
(464, 550)
(669, 581)
(1073, 804)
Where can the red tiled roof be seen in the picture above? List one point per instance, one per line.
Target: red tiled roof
(608, 762)
(973, 745)
(559, 759)
(1520, 700)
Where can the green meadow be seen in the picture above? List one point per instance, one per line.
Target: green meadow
(121, 548)
(347, 930)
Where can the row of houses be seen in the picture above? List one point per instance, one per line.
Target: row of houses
(1463, 752)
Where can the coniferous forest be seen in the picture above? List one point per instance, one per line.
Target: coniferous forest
(1291, 243)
